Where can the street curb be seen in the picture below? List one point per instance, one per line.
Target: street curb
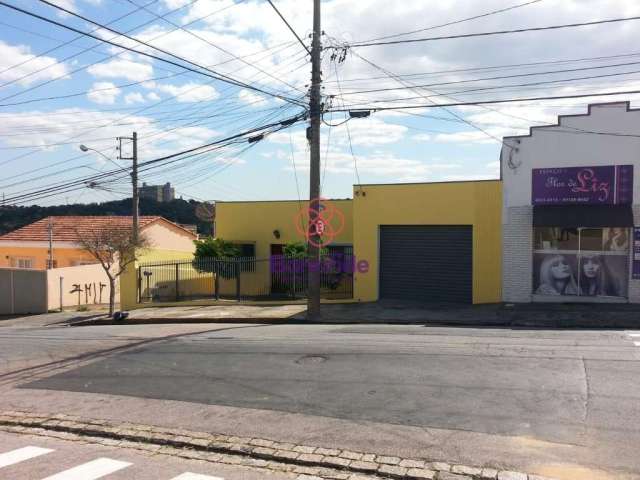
(178, 320)
(557, 323)
(307, 461)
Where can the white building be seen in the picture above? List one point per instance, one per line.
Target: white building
(571, 195)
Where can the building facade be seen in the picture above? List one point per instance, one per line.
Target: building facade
(428, 242)
(159, 193)
(571, 201)
(52, 241)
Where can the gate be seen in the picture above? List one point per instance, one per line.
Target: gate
(243, 279)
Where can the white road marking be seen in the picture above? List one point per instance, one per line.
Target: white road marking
(195, 476)
(637, 344)
(634, 334)
(91, 470)
(21, 454)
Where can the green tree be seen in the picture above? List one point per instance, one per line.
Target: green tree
(216, 256)
(215, 248)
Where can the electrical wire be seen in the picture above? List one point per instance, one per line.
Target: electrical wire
(497, 32)
(290, 27)
(456, 22)
(199, 70)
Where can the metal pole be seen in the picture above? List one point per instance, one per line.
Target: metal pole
(134, 181)
(61, 293)
(50, 264)
(313, 299)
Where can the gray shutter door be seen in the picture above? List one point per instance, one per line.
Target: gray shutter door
(426, 263)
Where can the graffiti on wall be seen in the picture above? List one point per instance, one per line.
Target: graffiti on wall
(92, 292)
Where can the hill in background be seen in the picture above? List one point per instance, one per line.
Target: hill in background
(178, 211)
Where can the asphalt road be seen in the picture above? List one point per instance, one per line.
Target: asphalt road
(572, 396)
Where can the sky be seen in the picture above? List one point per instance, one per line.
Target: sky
(60, 89)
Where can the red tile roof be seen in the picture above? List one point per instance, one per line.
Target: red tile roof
(65, 228)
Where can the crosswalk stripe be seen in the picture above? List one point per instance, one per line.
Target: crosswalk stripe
(634, 334)
(637, 344)
(195, 476)
(90, 470)
(21, 454)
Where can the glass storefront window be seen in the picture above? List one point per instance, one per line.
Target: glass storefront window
(555, 238)
(581, 261)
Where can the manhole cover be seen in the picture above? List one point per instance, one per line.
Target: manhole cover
(311, 359)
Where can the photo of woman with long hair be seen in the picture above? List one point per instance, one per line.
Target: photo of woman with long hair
(593, 276)
(616, 239)
(556, 276)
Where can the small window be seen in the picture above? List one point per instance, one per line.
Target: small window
(78, 263)
(22, 262)
(248, 256)
(52, 264)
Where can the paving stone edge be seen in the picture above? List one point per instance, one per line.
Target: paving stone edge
(309, 462)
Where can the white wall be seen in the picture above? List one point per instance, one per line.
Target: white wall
(547, 148)
(166, 236)
(566, 145)
(87, 277)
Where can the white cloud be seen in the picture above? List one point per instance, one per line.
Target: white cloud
(17, 61)
(153, 96)
(59, 125)
(104, 93)
(122, 68)
(251, 98)
(190, 92)
(134, 97)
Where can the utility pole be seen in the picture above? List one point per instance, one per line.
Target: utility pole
(134, 181)
(313, 135)
(50, 262)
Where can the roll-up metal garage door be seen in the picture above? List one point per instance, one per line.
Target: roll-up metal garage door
(428, 263)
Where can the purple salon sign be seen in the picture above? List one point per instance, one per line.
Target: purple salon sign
(603, 185)
(636, 253)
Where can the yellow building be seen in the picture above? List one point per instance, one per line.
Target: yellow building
(437, 242)
(263, 228)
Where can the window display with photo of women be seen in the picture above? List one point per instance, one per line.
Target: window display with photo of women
(589, 262)
(616, 240)
(554, 274)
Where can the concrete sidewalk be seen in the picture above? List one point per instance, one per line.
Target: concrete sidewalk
(547, 315)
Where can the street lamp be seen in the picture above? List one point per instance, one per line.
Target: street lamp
(85, 149)
(134, 179)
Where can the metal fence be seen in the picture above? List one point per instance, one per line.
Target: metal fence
(243, 279)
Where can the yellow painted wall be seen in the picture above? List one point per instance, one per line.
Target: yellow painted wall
(254, 222)
(457, 203)
(129, 279)
(65, 257)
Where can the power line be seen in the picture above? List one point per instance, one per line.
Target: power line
(502, 77)
(212, 74)
(208, 42)
(491, 67)
(222, 77)
(77, 54)
(81, 182)
(290, 27)
(68, 42)
(139, 110)
(475, 17)
(489, 102)
(498, 32)
(450, 112)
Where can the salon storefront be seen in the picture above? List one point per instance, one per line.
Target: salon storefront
(569, 230)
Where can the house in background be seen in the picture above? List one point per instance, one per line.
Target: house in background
(28, 247)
